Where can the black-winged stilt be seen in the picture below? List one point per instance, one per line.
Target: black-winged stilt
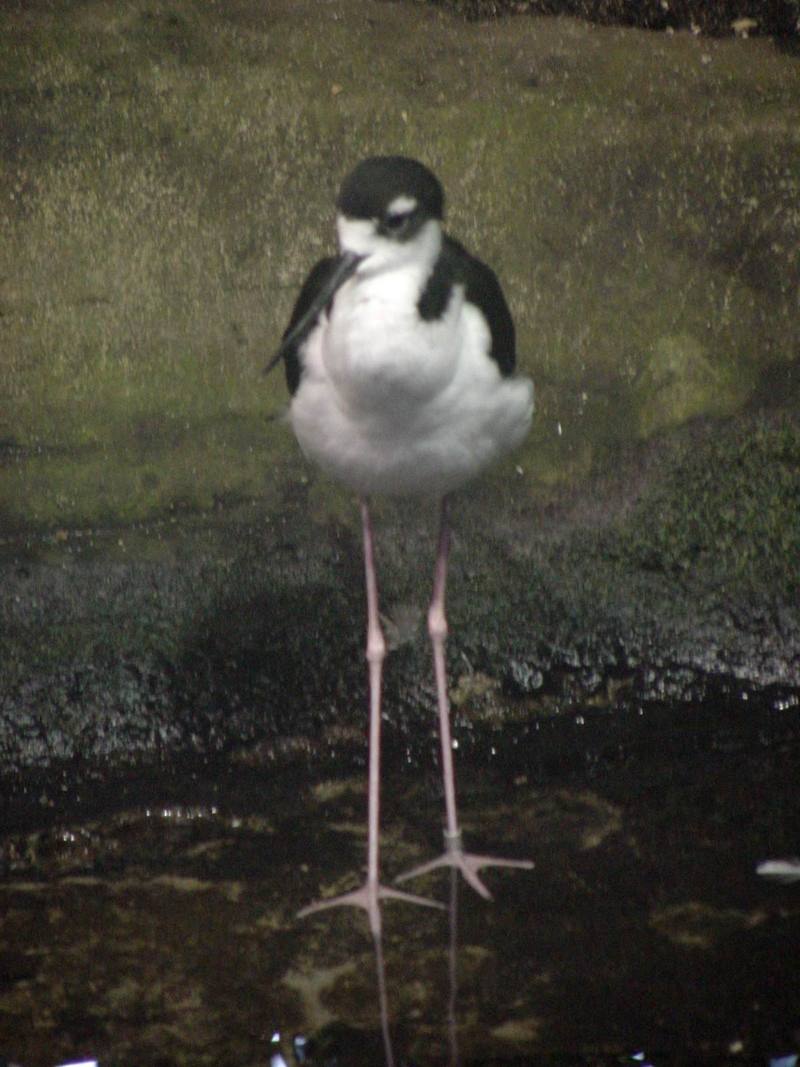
(399, 356)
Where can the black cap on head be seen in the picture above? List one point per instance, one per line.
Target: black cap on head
(369, 189)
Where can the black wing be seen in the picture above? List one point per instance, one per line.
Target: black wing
(455, 265)
(317, 279)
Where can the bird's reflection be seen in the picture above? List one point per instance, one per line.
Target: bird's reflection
(338, 1045)
(452, 995)
(452, 969)
(383, 999)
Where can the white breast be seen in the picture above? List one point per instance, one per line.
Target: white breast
(380, 356)
(388, 403)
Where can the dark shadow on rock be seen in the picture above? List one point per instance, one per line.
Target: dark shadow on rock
(275, 664)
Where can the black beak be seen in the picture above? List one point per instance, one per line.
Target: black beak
(345, 266)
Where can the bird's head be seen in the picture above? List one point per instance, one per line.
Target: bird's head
(389, 214)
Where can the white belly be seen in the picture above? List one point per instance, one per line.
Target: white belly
(388, 405)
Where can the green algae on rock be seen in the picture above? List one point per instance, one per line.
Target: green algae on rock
(166, 190)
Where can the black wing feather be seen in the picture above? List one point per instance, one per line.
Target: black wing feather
(316, 279)
(455, 265)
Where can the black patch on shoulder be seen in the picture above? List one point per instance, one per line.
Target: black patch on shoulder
(435, 297)
(455, 266)
(311, 286)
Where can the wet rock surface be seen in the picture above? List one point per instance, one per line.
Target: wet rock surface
(674, 580)
(182, 734)
(184, 758)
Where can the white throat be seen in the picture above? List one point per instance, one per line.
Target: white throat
(381, 253)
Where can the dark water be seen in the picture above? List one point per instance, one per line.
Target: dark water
(153, 921)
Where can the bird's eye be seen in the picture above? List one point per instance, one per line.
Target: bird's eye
(395, 223)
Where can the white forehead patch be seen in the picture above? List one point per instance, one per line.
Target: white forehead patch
(402, 205)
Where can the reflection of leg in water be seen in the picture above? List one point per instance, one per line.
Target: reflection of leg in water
(452, 968)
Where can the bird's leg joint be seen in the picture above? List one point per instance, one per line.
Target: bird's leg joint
(376, 645)
(437, 623)
(452, 841)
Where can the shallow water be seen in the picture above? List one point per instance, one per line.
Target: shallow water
(163, 929)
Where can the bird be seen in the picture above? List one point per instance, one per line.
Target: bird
(400, 359)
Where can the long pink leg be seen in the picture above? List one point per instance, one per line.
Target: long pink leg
(372, 891)
(454, 855)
